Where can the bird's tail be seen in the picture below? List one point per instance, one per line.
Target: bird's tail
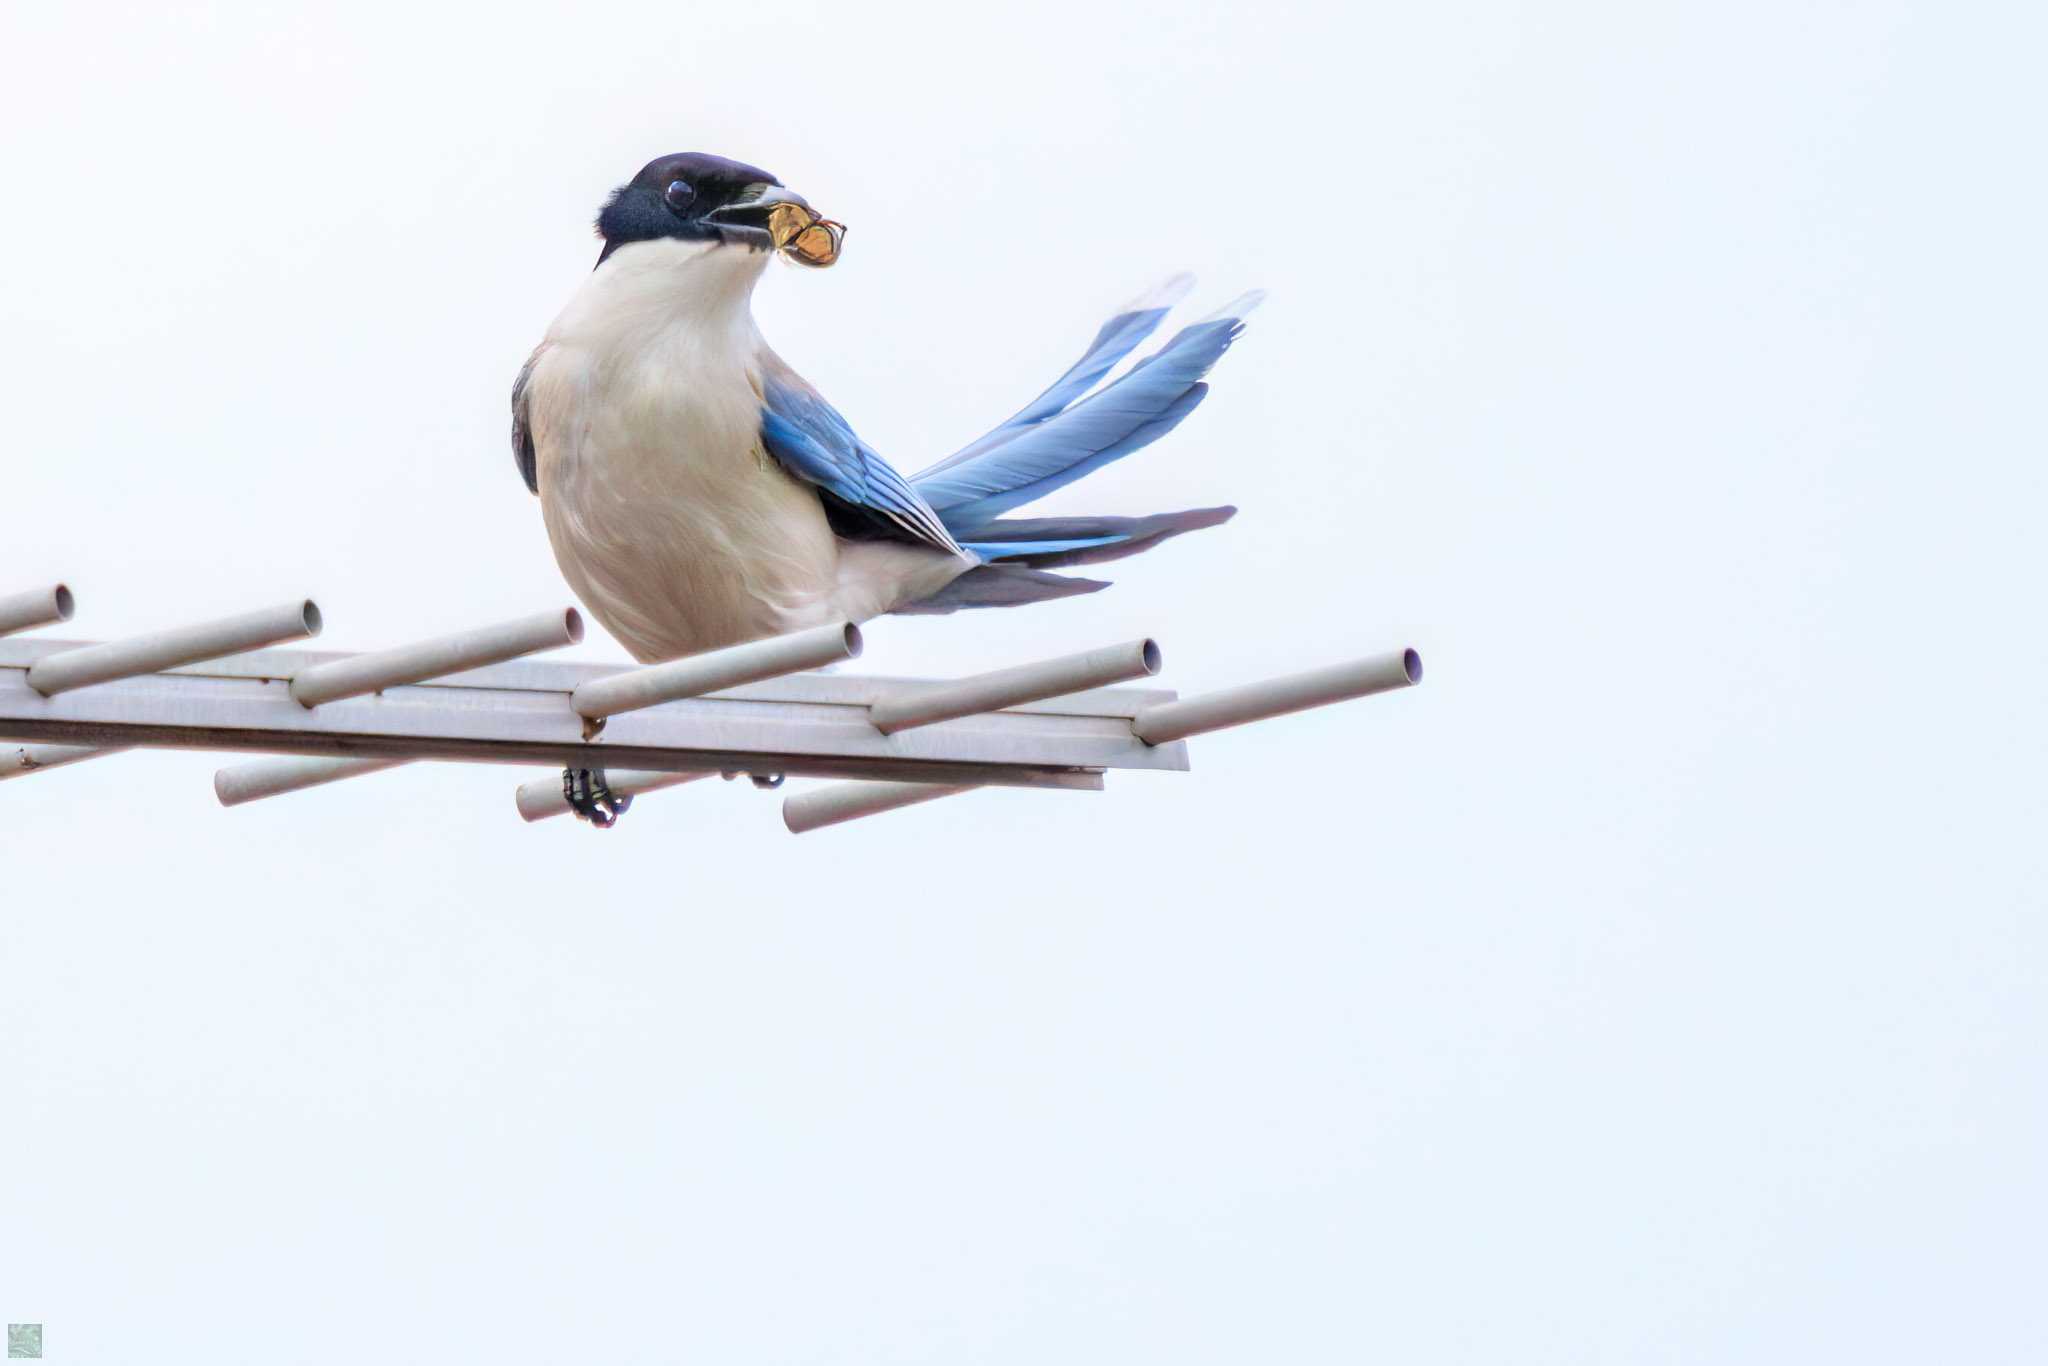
(1064, 434)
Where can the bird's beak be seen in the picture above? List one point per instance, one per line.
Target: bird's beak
(754, 205)
(786, 219)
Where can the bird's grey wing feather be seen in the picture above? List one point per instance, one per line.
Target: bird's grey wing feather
(522, 433)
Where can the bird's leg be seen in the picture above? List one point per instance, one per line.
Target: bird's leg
(591, 799)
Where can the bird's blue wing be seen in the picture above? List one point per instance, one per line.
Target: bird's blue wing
(808, 437)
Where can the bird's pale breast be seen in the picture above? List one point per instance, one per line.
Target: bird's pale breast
(667, 517)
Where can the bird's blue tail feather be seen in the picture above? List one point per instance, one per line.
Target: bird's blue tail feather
(1063, 435)
(1118, 337)
(1061, 542)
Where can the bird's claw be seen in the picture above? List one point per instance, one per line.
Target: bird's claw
(591, 798)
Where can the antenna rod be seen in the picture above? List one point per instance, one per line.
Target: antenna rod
(274, 777)
(1015, 686)
(37, 607)
(1165, 721)
(90, 664)
(715, 670)
(543, 797)
(367, 673)
(18, 761)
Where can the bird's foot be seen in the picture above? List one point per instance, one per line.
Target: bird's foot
(591, 799)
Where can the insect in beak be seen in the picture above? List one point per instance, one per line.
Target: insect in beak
(802, 236)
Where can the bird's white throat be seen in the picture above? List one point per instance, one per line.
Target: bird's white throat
(652, 287)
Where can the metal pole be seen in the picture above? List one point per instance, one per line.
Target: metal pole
(717, 669)
(803, 812)
(1165, 721)
(37, 607)
(367, 673)
(1016, 686)
(53, 674)
(543, 798)
(18, 761)
(807, 724)
(274, 777)
(837, 802)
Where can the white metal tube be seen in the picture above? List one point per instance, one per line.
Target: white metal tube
(1158, 724)
(716, 669)
(91, 664)
(543, 797)
(835, 803)
(37, 607)
(367, 673)
(274, 777)
(18, 761)
(1016, 686)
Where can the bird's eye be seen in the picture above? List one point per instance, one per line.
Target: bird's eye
(679, 194)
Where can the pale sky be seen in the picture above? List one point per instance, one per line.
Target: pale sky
(1660, 981)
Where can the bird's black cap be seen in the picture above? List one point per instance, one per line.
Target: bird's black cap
(693, 196)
